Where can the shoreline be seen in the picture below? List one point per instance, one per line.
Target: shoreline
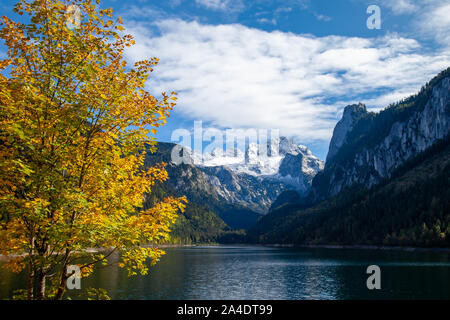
(364, 247)
(290, 246)
(293, 246)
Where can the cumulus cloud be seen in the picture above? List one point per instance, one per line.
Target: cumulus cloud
(238, 77)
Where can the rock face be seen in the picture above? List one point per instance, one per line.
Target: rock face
(351, 116)
(254, 179)
(368, 147)
(247, 179)
(280, 160)
(298, 169)
(254, 193)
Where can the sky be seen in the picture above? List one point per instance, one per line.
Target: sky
(291, 65)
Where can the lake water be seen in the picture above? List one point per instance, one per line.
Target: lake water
(248, 272)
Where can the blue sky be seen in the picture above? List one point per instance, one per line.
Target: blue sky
(291, 65)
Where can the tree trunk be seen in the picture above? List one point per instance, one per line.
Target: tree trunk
(30, 282)
(41, 285)
(31, 273)
(62, 283)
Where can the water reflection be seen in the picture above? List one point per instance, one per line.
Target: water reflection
(272, 273)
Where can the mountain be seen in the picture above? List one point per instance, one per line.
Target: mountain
(352, 114)
(288, 196)
(386, 179)
(281, 164)
(367, 147)
(234, 189)
(412, 208)
(253, 179)
(188, 180)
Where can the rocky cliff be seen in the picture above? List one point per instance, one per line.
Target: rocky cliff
(239, 182)
(367, 147)
(351, 116)
(257, 180)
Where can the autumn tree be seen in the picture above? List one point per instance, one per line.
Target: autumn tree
(75, 122)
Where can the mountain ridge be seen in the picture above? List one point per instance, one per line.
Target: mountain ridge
(377, 186)
(377, 143)
(409, 209)
(228, 198)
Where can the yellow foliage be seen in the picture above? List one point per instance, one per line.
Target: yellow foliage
(74, 122)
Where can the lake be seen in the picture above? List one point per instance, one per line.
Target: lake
(253, 272)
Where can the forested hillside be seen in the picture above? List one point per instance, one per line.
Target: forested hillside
(412, 208)
(386, 179)
(367, 147)
(207, 219)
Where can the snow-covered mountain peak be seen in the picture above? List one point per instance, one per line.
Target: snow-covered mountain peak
(280, 159)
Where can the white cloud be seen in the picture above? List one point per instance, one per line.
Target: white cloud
(435, 22)
(272, 17)
(283, 10)
(239, 77)
(401, 6)
(429, 19)
(322, 17)
(267, 21)
(303, 4)
(174, 3)
(221, 5)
